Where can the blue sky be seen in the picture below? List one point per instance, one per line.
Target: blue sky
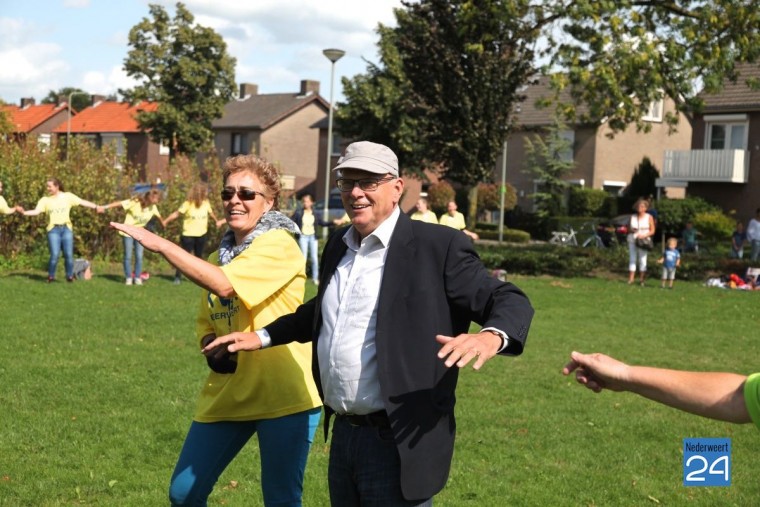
(50, 44)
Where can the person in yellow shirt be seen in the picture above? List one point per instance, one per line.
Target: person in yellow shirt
(60, 231)
(140, 209)
(195, 212)
(256, 276)
(453, 218)
(423, 212)
(307, 221)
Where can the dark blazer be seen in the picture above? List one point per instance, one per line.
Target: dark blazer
(433, 283)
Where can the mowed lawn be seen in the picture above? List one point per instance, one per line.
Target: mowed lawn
(99, 383)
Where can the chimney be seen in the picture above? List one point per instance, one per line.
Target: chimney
(61, 99)
(28, 101)
(248, 89)
(308, 87)
(94, 99)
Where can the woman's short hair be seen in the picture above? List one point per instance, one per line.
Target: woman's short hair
(267, 174)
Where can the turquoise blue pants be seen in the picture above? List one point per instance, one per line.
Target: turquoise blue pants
(284, 445)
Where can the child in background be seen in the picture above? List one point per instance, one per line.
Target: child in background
(670, 260)
(738, 238)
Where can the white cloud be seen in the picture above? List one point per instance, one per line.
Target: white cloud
(76, 4)
(107, 83)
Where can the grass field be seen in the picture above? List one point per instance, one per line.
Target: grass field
(100, 381)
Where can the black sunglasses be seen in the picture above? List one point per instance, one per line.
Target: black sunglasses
(244, 194)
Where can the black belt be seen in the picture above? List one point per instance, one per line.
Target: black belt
(377, 419)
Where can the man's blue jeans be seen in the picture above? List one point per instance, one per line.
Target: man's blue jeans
(755, 250)
(60, 238)
(129, 245)
(365, 469)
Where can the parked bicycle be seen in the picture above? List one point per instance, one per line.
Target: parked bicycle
(564, 238)
(601, 235)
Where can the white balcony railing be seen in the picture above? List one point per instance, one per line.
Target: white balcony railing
(720, 166)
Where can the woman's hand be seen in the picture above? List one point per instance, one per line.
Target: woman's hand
(140, 234)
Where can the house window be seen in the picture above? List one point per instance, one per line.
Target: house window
(163, 148)
(568, 136)
(337, 145)
(238, 144)
(726, 131)
(727, 136)
(43, 141)
(654, 113)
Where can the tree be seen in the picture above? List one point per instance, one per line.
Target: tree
(465, 61)
(619, 56)
(379, 107)
(79, 101)
(548, 161)
(461, 66)
(186, 69)
(643, 180)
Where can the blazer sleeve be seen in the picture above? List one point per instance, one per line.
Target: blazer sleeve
(486, 300)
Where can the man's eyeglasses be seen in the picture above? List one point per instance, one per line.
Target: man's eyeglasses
(367, 185)
(244, 194)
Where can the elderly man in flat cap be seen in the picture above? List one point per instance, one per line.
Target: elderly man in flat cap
(389, 327)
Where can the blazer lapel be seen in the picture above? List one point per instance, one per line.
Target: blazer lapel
(397, 270)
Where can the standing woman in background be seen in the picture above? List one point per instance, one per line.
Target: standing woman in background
(140, 209)
(641, 226)
(60, 232)
(307, 222)
(195, 212)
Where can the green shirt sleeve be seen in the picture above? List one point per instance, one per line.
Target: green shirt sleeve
(752, 397)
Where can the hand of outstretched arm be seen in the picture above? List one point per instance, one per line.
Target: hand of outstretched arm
(203, 273)
(715, 395)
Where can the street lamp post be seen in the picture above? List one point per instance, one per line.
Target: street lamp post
(502, 190)
(333, 55)
(68, 120)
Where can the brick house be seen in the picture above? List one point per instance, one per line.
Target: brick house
(32, 120)
(106, 122)
(723, 164)
(600, 161)
(281, 127)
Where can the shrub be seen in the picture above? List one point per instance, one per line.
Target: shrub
(489, 197)
(508, 235)
(587, 201)
(439, 195)
(674, 213)
(714, 225)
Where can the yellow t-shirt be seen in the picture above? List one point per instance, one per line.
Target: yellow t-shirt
(307, 224)
(457, 221)
(4, 208)
(428, 217)
(752, 397)
(269, 280)
(136, 214)
(195, 219)
(58, 208)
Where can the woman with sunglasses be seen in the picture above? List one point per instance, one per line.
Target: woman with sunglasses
(256, 276)
(140, 210)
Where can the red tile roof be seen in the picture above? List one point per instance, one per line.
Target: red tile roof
(27, 118)
(107, 117)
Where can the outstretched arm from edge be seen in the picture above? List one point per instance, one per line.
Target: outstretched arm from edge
(716, 395)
